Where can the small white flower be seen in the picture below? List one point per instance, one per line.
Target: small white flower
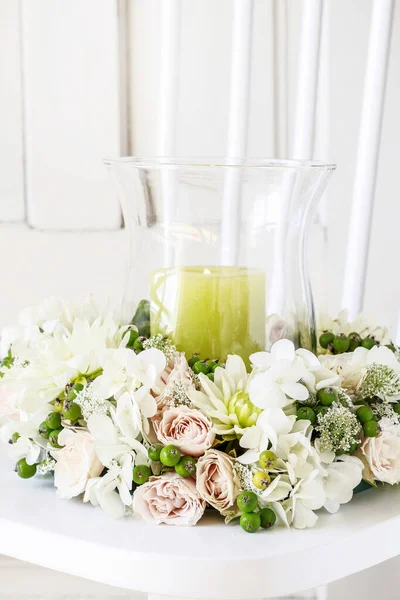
(271, 423)
(110, 442)
(276, 382)
(126, 371)
(339, 479)
(307, 496)
(112, 491)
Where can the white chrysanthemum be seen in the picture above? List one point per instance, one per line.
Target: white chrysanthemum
(226, 400)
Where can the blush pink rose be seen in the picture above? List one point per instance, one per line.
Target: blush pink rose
(76, 463)
(217, 481)
(186, 428)
(169, 499)
(381, 458)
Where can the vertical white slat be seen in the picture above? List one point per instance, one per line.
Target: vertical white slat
(11, 148)
(237, 126)
(307, 82)
(367, 155)
(168, 110)
(72, 112)
(280, 81)
(322, 109)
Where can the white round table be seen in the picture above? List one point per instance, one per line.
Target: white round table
(209, 561)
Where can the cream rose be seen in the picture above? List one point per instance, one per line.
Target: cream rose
(186, 428)
(381, 458)
(76, 463)
(216, 481)
(169, 499)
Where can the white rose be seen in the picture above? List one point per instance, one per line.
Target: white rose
(381, 457)
(76, 463)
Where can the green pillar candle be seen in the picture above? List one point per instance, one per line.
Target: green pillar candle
(211, 311)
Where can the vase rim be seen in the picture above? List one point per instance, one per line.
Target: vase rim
(210, 162)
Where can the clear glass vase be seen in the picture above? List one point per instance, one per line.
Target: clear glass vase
(218, 247)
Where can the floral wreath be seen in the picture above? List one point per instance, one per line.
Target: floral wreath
(125, 421)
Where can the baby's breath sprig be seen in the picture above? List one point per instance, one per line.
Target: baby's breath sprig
(46, 466)
(385, 410)
(162, 343)
(338, 428)
(91, 403)
(379, 380)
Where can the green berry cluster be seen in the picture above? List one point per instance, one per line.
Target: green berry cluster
(366, 417)
(338, 344)
(170, 457)
(323, 401)
(252, 517)
(207, 367)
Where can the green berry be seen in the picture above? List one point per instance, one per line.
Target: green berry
(325, 339)
(341, 344)
(154, 452)
(200, 367)
(53, 421)
(24, 470)
(261, 480)
(74, 391)
(210, 376)
(326, 396)
(396, 408)
(44, 430)
(267, 459)
(58, 405)
(247, 501)
(15, 437)
(306, 413)
(72, 411)
(365, 414)
(355, 341)
(170, 456)
(267, 517)
(371, 428)
(368, 343)
(193, 360)
(53, 438)
(250, 522)
(186, 467)
(141, 474)
(133, 336)
(212, 365)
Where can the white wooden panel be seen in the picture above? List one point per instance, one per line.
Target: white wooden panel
(72, 112)
(11, 152)
(368, 155)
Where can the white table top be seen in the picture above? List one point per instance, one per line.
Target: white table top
(211, 560)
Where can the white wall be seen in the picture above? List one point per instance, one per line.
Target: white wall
(80, 80)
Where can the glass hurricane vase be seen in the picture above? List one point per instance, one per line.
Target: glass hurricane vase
(218, 247)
